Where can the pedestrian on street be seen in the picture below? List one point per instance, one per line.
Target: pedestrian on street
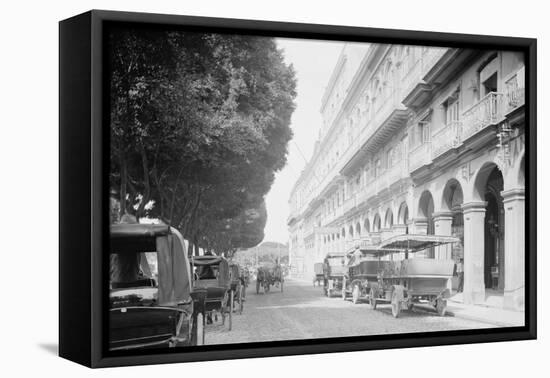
(460, 273)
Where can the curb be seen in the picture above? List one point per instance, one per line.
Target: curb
(480, 319)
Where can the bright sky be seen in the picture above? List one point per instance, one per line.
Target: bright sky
(313, 62)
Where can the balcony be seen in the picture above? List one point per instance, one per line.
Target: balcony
(420, 156)
(488, 111)
(350, 203)
(391, 175)
(515, 91)
(333, 215)
(446, 138)
(415, 90)
(390, 115)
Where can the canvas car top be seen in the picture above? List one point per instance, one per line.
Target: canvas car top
(138, 230)
(415, 243)
(207, 260)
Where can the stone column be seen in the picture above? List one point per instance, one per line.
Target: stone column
(514, 248)
(443, 222)
(474, 252)
(386, 233)
(420, 226)
(399, 229)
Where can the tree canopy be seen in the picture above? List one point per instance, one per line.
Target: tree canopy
(199, 126)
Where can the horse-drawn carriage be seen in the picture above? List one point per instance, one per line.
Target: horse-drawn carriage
(267, 275)
(406, 282)
(152, 304)
(212, 276)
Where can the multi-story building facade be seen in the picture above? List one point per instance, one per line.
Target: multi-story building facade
(420, 140)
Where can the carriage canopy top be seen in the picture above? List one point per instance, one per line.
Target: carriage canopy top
(174, 275)
(208, 260)
(138, 230)
(334, 254)
(414, 243)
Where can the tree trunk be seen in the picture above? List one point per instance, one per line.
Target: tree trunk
(196, 244)
(146, 195)
(123, 184)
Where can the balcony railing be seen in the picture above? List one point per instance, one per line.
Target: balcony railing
(350, 203)
(419, 156)
(447, 137)
(515, 90)
(488, 111)
(419, 68)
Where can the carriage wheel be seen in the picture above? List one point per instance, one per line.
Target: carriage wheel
(355, 294)
(441, 307)
(395, 304)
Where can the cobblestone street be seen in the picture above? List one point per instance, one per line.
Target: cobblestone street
(303, 312)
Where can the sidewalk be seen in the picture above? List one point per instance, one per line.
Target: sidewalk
(486, 313)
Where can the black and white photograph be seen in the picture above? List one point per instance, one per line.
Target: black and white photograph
(280, 189)
(271, 189)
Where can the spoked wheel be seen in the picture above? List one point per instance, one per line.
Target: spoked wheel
(441, 307)
(395, 304)
(355, 294)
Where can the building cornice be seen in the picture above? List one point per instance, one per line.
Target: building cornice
(333, 79)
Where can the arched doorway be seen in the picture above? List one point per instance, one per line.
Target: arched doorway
(388, 219)
(488, 185)
(403, 216)
(453, 198)
(358, 229)
(367, 226)
(425, 210)
(521, 174)
(376, 223)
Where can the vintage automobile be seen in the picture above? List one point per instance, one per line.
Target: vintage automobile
(212, 273)
(237, 287)
(268, 274)
(411, 281)
(151, 304)
(362, 273)
(318, 274)
(334, 270)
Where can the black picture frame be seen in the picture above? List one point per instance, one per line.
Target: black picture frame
(84, 192)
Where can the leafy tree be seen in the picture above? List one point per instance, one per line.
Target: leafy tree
(199, 126)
